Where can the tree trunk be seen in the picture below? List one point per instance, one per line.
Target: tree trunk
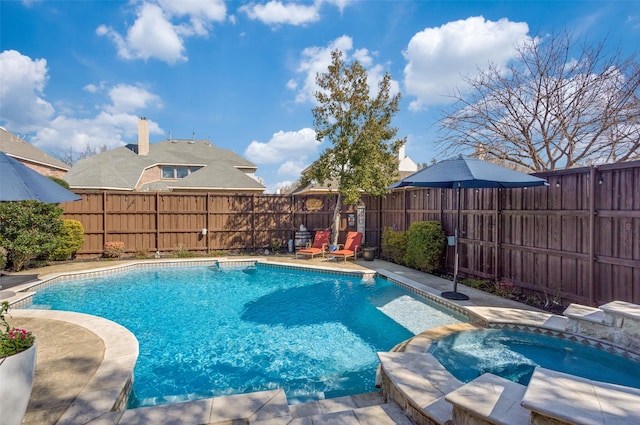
(336, 220)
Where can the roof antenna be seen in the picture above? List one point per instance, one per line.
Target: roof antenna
(193, 138)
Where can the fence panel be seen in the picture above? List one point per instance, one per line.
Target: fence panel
(617, 235)
(577, 239)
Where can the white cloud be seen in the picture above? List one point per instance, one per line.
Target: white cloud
(438, 57)
(375, 74)
(200, 14)
(316, 60)
(283, 147)
(129, 98)
(150, 36)
(160, 29)
(211, 10)
(340, 4)
(363, 56)
(91, 88)
(105, 129)
(292, 168)
(22, 83)
(278, 13)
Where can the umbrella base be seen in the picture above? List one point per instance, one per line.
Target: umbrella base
(452, 295)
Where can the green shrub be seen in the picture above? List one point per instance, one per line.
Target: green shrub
(113, 249)
(29, 229)
(426, 243)
(394, 245)
(3, 258)
(61, 182)
(70, 240)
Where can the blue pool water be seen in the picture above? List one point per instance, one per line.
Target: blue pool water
(208, 331)
(514, 355)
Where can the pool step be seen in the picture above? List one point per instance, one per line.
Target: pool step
(360, 409)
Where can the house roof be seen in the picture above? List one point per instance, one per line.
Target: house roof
(20, 149)
(329, 186)
(122, 168)
(406, 167)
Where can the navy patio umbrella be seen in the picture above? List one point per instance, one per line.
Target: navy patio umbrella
(466, 173)
(20, 183)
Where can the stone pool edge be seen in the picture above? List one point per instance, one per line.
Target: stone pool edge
(109, 387)
(414, 379)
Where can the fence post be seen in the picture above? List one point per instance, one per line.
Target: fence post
(253, 221)
(104, 218)
(592, 233)
(379, 238)
(157, 221)
(442, 209)
(292, 206)
(208, 221)
(496, 234)
(405, 214)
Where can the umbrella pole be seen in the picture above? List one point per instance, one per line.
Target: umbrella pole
(455, 295)
(456, 256)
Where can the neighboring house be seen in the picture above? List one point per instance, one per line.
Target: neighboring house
(170, 165)
(406, 167)
(23, 151)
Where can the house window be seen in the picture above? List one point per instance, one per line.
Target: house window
(177, 172)
(168, 172)
(182, 172)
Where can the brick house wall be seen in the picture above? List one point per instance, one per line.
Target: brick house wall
(150, 175)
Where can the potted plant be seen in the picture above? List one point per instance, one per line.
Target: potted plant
(368, 252)
(17, 369)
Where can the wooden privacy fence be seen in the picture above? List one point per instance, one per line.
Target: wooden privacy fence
(170, 221)
(577, 240)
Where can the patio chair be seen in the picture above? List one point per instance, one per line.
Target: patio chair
(318, 246)
(350, 248)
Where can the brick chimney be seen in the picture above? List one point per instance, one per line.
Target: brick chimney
(143, 136)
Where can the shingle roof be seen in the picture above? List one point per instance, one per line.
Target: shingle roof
(20, 149)
(328, 186)
(122, 168)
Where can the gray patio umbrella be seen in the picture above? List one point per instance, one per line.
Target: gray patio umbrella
(20, 183)
(466, 173)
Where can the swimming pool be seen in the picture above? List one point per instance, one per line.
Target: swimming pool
(210, 331)
(514, 355)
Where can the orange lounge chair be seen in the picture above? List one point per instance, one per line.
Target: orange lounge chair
(350, 248)
(319, 245)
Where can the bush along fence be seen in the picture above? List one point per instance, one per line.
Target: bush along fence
(577, 240)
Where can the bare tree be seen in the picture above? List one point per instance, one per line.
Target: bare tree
(548, 109)
(70, 156)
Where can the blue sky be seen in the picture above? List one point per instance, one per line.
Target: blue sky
(241, 73)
